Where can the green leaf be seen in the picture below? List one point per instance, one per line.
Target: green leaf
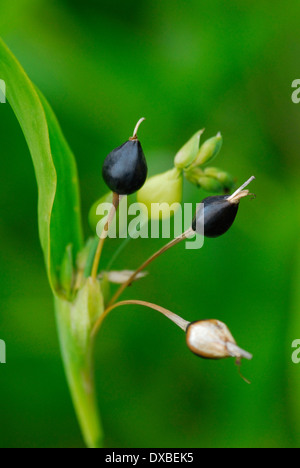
(67, 272)
(54, 164)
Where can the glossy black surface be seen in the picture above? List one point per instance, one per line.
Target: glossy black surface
(219, 215)
(125, 168)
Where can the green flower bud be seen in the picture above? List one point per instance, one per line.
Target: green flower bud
(209, 150)
(210, 184)
(188, 152)
(196, 176)
(193, 175)
(224, 178)
(164, 189)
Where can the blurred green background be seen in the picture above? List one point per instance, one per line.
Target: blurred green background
(225, 66)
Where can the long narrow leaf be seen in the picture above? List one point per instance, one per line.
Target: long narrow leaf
(55, 168)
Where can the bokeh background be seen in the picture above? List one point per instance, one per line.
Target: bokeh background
(224, 66)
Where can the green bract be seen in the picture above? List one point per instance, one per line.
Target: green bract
(163, 189)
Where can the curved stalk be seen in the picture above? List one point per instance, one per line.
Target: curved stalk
(180, 322)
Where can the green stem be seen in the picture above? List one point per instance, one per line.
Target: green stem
(79, 368)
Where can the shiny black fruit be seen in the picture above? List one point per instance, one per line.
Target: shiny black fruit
(219, 215)
(219, 212)
(125, 168)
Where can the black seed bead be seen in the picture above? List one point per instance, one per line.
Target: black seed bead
(219, 215)
(125, 168)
